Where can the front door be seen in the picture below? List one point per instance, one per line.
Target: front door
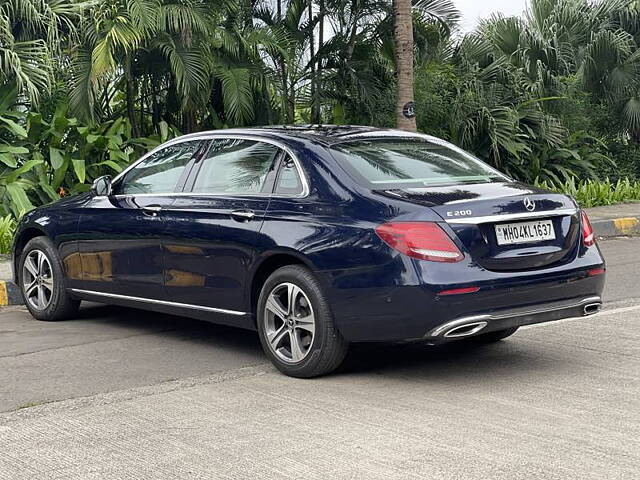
(120, 235)
(214, 230)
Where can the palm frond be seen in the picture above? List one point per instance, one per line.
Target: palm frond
(238, 95)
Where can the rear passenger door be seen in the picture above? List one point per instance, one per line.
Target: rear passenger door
(213, 226)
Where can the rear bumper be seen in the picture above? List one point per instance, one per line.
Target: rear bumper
(469, 326)
(405, 312)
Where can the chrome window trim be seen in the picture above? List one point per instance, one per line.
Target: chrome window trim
(159, 302)
(466, 200)
(402, 135)
(511, 216)
(193, 194)
(214, 136)
(455, 148)
(175, 141)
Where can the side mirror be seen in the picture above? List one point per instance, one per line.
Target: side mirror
(102, 186)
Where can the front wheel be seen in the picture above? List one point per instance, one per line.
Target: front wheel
(41, 279)
(296, 326)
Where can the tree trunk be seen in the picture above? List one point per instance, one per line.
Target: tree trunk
(248, 7)
(155, 109)
(105, 104)
(403, 35)
(312, 62)
(282, 65)
(285, 89)
(143, 95)
(291, 103)
(188, 121)
(315, 111)
(351, 43)
(130, 93)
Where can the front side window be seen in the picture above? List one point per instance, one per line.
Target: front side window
(236, 166)
(160, 172)
(411, 163)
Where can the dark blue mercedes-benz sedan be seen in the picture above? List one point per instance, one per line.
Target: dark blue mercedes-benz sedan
(316, 237)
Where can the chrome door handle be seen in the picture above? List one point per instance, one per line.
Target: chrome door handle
(152, 210)
(243, 215)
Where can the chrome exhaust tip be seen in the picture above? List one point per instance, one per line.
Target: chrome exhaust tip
(591, 308)
(465, 330)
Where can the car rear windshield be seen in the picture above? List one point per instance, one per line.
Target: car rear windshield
(393, 163)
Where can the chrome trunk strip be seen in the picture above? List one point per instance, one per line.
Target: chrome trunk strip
(511, 216)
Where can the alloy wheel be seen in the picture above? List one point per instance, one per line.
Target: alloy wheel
(289, 322)
(37, 280)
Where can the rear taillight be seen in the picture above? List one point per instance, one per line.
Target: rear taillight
(458, 291)
(596, 271)
(588, 237)
(422, 240)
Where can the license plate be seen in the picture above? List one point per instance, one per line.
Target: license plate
(524, 232)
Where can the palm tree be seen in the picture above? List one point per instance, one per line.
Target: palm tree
(596, 42)
(445, 14)
(515, 72)
(243, 83)
(610, 69)
(353, 74)
(142, 43)
(289, 57)
(30, 31)
(403, 35)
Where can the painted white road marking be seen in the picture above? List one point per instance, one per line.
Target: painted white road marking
(601, 313)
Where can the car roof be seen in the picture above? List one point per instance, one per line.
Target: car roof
(324, 134)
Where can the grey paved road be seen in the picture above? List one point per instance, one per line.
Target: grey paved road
(127, 394)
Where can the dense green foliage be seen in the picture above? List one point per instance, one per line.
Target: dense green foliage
(7, 229)
(47, 159)
(86, 87)
(594, 193)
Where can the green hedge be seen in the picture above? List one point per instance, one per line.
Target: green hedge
(595, 193)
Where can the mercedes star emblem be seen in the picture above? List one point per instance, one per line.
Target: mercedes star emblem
(529, 204)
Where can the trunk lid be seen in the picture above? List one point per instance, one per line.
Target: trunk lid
(473, 211)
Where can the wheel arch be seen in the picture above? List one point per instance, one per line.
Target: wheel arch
(266, 266)
(21, 240)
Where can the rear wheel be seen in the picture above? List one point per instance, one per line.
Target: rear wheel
(296, 325)
(41, 280)
(496, 336)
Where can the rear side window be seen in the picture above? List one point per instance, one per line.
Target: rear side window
(236, 166)
(160, 172)
(288, 181)
(393, 163)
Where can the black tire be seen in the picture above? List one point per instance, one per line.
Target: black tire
(326, 349)
(58, 305)
(496, 336)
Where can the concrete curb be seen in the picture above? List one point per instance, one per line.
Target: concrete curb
(10, 294)
(616, 227)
